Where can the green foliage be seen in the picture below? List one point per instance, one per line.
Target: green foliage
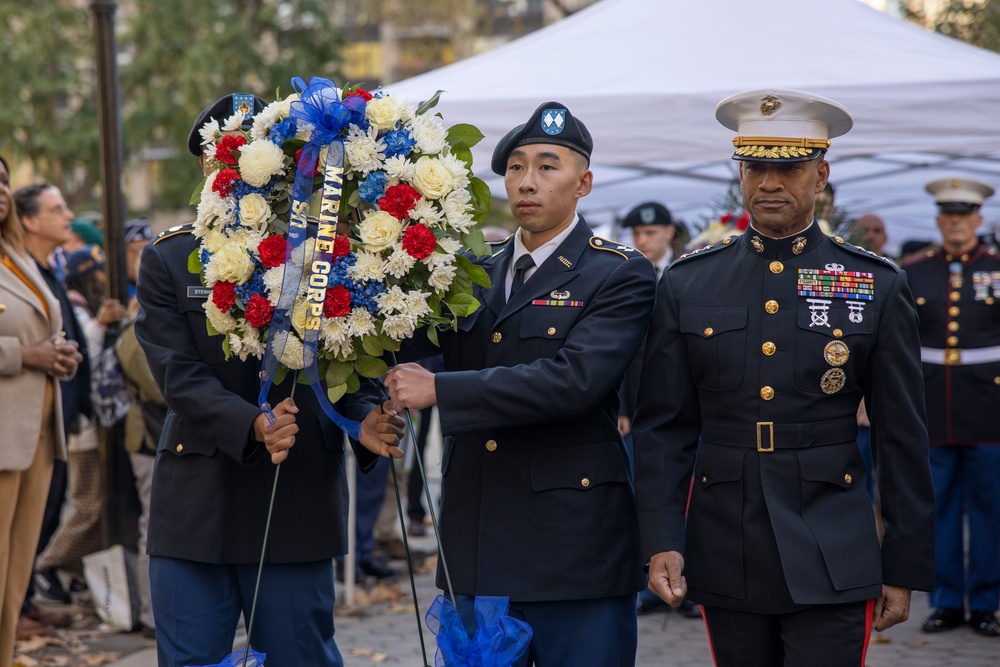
(977, 23)
(48, 78)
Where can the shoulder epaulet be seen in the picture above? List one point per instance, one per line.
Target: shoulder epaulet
(728, 241)
(628, 252)
(858, 250)
(498, 242)
(174, 231)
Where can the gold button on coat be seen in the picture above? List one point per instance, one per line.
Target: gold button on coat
(848, 478)
(3, 308)
(771, 307)
(996, 380)
(704, 479)
(491, 445)
(768, 348)
(954, 311)
(766, 393)
(496, 337)
(838, 333)
(584, 482)
(921, 300)
(777, 267)
(952, 341)
(952, 326)
(551, 331)
(709, 331)
(180, 448)
(955, 296)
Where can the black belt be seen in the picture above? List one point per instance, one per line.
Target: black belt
(768, 436)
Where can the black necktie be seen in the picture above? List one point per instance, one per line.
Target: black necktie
(521, 266)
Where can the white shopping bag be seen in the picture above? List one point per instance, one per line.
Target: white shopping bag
(108, 581)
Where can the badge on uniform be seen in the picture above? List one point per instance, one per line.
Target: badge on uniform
(243, 103)
(647, 215)
(833, 282)
(983, 282)
(553, 121)
(198, 292)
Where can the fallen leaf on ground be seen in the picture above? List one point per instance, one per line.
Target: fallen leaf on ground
(880, 639)
(100, 658)
(362, 652)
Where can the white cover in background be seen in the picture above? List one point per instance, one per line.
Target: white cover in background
(645, 76)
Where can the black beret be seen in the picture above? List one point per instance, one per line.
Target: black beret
(648, 213)
(222, 109)
(552, 123)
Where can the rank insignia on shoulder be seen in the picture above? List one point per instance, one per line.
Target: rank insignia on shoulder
(598, 243)
(174, 231)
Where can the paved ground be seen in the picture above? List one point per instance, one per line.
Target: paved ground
(381, 629)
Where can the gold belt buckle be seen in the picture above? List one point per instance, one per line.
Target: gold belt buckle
(953, 357)
(765, 444)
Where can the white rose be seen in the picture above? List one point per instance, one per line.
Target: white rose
(231, 263)
(254, 212)
(432, 179)
(259, 161)
(379, 231)
(383, 112)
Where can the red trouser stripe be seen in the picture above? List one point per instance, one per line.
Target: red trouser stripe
(708, 630)
(869, 612)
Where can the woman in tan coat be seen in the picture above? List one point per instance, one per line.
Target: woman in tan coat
(33, 355)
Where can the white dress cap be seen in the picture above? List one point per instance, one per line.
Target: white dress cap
(959, 191)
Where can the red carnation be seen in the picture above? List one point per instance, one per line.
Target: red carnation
(259, 311)
(272, 251)
(223, 183)
(227, 151)
(360, 92)
(725, 218)
(224, 295)
(399, 200)
(298, 154)
(341, 246)
(338, 302)
(419, 241)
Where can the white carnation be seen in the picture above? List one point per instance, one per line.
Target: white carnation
(246, 344)
(223, 322)
(363, 150)
(398, 168)
(210, 132)
(400, 262)
(429, 134)
(398, 327)
(336, 337)
(273, 113)
(367, 267)
(259, 161)
(360, 322)
(234, 123)
(441, 277)
(427, 212)
(391, 301)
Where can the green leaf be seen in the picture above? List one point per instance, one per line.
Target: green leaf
(338, 372)
(463, 153)
(467, 134)
(463, 304)
(432, 336)
(476, 273)
(196, 195)
(427, 105)
(212, 331)
(280, 374)
(371, 345)
(388, 343)
(353, 383)
(194, 261)
(481, 196)
(476, 242)
(227, 349)
(370, 367)
(337, 392)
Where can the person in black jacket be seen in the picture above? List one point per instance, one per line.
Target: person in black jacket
(763, 345)
(214, 472)
(537, 500)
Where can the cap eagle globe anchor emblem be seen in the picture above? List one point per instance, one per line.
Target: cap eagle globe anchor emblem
(553, 121)
(769, 104)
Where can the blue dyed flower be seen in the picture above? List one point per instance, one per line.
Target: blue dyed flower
(282, 132)
(398, 142)
(373, 187)
(255, 285)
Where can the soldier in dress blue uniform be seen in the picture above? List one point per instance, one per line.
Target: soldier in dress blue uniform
(537, 498)
(764, 344)
(213, 477)
(957, 289)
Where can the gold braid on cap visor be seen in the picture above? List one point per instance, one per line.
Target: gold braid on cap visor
(778, 147)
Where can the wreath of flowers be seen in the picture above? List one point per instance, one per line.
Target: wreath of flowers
(716, 230)
(412, 203)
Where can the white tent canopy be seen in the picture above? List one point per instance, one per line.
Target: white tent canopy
(645, 76)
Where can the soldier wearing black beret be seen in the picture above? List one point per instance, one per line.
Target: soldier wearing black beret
(957, 288)
(760, 349)
(215, 470)
(537, 500)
